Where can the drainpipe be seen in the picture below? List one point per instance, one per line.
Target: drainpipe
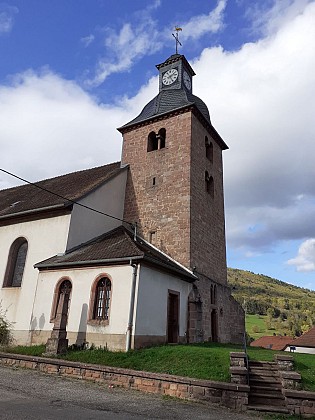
(132, 304)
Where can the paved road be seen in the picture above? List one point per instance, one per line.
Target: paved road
(29, 395)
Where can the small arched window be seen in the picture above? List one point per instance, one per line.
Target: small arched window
(209, 184)
(16, 263)
(102, 299)
(156, 141)
(152, 142)
(161, 138)
(209, 149)
(63, 290)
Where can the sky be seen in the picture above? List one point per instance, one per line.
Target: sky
(73, 71)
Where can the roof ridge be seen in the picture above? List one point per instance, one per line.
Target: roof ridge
(61, 175)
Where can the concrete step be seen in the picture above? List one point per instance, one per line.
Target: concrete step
(268, 409)
(267, 389)
(266, 400)
(260, 372)
(264, 381)
(262, 364)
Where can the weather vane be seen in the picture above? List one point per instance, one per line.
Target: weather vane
(177, 29)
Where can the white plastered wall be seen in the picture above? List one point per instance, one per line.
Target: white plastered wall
(108, 198)
(45, 237)
(82, 281)
(152, 299)
(309, 350)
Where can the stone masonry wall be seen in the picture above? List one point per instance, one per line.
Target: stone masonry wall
(158, 185)
(234, 396)
(208, 253)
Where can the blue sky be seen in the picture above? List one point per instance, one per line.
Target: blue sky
(72, 71)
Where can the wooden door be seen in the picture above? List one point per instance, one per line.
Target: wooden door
(173, 317)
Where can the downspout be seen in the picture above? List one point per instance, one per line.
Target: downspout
(132, 305)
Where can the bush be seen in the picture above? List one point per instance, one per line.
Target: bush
(5, 329)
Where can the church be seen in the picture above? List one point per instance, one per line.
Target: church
(131, 253)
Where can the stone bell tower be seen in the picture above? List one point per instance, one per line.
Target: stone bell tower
(175, 184)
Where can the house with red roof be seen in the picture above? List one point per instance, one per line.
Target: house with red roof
(303, 344)
(273, 342)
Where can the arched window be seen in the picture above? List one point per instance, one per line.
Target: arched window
(161, 138)
(209, 149)
(153, 142)
(62, 291)
(102, 299)
(209, 184)
(156, 141)
(16, 263)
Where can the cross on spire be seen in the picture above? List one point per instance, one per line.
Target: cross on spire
(177, 41)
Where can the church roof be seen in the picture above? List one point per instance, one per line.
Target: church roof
(73, 186)
(167, 101)
(114, 247)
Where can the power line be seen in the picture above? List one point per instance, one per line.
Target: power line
(64, 198)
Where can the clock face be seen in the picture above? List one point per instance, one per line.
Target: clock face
(187, 80)
(169, 77)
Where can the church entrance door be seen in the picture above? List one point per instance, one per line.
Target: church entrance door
(173, 317)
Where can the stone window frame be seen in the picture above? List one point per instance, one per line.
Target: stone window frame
(209, 149)
(156, 141)
(10, 272)
(56, 297)
(91, 312)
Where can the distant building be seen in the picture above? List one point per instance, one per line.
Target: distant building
(156, 271)
(273, 342)
(303, 344)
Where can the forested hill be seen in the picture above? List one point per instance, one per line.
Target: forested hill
(293, 306)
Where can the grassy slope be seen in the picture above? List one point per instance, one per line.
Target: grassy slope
(202, 361)
(260, 322)
(246, 283)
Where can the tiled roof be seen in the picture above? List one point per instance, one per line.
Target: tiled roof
(113, 247)
(306, 340)
(167, 101)
(274, 342)
(72, 186)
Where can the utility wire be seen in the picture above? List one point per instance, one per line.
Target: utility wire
(64, 198)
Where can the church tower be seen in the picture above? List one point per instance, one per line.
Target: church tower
(175, 184)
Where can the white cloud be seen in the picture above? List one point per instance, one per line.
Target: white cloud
(7, 17)
(268, 19)
(87, 40)
(49, 126)
(199, 25)
(305, 260)
(261, 99)
(144, 36)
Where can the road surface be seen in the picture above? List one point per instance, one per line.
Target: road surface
(30, 395)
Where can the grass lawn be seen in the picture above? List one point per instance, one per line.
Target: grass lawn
(258, 323)
(202, 361)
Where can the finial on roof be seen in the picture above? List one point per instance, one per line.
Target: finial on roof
(177, 29)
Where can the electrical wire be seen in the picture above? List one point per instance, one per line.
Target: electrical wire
(64, 198)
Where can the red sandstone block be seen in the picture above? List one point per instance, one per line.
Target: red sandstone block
(174, 387)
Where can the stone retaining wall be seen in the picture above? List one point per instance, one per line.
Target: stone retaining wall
(234, 396)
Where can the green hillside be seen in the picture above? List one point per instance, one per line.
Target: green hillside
(287, 309)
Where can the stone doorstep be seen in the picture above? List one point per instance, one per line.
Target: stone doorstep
(129, 372)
